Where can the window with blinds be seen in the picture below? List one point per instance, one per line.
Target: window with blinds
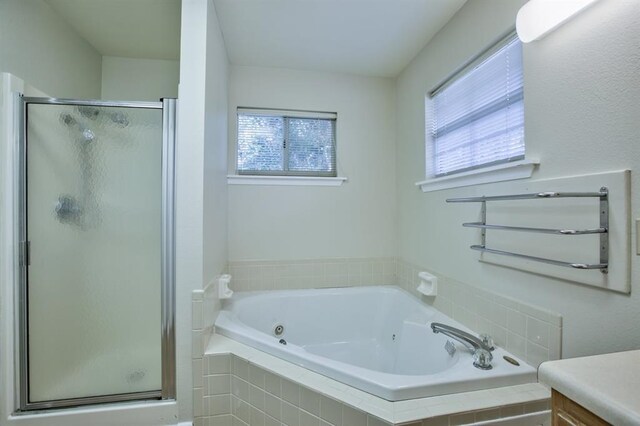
(286, 143)
(478, 114)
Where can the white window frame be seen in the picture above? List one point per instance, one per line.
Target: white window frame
(515, 168)
(287, 115)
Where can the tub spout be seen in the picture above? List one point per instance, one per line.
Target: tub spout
(482, 353)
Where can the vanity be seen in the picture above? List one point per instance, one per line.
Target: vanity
(595, 390)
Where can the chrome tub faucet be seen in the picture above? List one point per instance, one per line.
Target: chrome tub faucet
(481, 352)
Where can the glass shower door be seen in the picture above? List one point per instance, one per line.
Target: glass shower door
(93, 278)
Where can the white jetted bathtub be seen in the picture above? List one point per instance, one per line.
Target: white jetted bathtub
(377, 339)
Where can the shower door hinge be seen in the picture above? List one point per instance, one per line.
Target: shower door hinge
(25, 253)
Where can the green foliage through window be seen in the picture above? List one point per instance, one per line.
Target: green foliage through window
(271, 144)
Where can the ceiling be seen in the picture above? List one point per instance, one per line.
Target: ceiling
(367, 37)
(129, 28)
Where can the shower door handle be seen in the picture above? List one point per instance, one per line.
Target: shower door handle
(25, 253)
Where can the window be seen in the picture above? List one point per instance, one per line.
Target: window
(286, 143)
(478, 113)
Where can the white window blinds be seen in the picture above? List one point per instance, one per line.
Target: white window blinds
(478, 114)
(274, 142)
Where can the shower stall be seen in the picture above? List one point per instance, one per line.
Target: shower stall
(96, 263)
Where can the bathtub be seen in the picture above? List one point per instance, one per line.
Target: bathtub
(376, 339)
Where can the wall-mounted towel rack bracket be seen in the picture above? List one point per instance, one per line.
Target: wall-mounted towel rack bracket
(602, 230)
(483, 231)
(604, 223)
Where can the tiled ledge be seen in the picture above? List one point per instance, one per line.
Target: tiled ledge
(478, 405)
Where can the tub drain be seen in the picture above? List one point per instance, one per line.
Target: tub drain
(511, 360)
(278, 330)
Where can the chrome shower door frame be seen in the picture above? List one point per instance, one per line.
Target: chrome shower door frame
(167, 326)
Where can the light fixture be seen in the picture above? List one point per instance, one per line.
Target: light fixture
(537, 18)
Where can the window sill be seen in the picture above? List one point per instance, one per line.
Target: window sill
(503, 172)
(285, 180)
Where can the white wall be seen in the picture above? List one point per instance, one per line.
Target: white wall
(39, 47)
(357, 219)
(135, 79)
(201, 139)
(582, 116)
(215, 155)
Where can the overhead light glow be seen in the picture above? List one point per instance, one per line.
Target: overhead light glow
(537, 18)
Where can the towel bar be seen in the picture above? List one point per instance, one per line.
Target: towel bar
(602, 230)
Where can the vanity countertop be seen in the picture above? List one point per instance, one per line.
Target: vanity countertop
(607, 385)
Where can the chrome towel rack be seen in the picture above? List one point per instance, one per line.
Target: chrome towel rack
(603, 229)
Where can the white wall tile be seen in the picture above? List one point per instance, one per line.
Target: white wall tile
(235, 421)
(218, 384)
(256, 397)
(257, 417)
(310, 401)
(196, 315)
(499, 335)
(240, 368)
(516, 344)
(272, 406)
(307, 419)
(272, 384)
(256, 376)
(219, 404)
(197, 372)
(374, 421)
(511, 323)
(353, 417)
(331, 411)
(290, 414)
(538, 332)
(239, 388)
(462, 419)
(219, 364)
(512, 410)
(197, 402)
(270, 421)
(536, 354)
(485, 415)
(247, 404)
(516, 322)
(311, 273)
(555, 342)
(290, 392)
(436, 421)
(196, 343)
(241, 409)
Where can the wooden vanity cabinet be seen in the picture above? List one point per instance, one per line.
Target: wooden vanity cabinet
(566, 412)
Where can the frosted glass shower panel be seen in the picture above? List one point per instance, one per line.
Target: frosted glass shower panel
(94, 204)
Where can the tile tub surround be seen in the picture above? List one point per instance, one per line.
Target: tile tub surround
(210, 377)
(529, 332)
(311, 273)
(205, 305)
(375, 338)
(243, 386)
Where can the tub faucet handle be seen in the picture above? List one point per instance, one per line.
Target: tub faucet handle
(482, 359)
(487, 340)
